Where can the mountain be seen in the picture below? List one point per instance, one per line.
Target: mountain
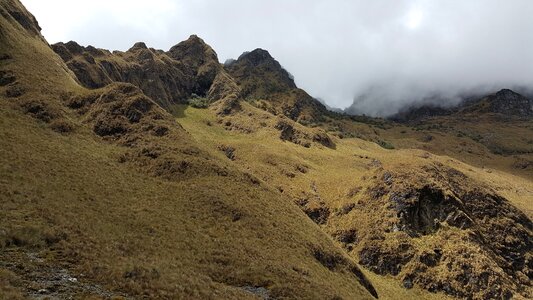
(504, 102)
(104, 194)
(165, 174)
(190, 67)
(264, 81)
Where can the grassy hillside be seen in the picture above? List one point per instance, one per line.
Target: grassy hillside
(489, 141)
(103, 194)
(345, 190)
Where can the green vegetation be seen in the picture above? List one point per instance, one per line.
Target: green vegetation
(385, 144)
(198, 102)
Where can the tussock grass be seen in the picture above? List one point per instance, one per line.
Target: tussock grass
(342, 181)
(109, 202)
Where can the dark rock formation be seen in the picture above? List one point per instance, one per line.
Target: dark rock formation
(260, 74)
(475, 243)
(420, 212)
(191, 67)
(261, 77)
(507, 102)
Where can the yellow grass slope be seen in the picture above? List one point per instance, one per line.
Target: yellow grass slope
(103, 194)
(341, 188)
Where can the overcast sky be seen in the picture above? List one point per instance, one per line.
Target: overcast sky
(384, 53)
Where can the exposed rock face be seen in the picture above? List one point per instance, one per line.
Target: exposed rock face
(200, 60)
(191, 67)
(262, 78)
(445, 232)
(508, 102)
(260, 74)
(421, 211)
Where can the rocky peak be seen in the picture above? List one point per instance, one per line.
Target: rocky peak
(200, 59)
(262, 59)
(508, 102)
(138, 45)
(193, 51)
(257, 57)
(260, 74)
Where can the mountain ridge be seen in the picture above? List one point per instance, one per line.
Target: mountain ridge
(504, 102)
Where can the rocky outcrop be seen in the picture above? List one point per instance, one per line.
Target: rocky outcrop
(304, 137)
(190, 67)
(269, 86)
(444, 232)
(259, 74)
(507, 102)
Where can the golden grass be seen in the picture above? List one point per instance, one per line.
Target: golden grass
(69, 199)
(337, 177)
(116, 220)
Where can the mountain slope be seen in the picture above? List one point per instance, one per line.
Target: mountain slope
(401, 213)
(104, 194)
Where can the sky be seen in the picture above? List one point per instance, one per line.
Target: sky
(379, 55)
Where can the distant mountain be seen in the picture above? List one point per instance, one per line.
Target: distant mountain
(504, 102)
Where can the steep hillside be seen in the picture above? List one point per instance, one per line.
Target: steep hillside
(103, 194)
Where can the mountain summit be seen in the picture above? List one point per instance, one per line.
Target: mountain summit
(508, 102)
(260, 74)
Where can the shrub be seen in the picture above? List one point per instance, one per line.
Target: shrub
(385, 144)
(198, 102)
